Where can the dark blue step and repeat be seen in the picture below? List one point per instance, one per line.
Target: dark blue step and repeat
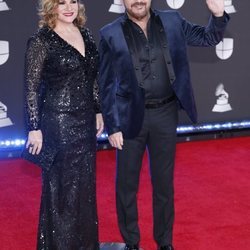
(220, 75)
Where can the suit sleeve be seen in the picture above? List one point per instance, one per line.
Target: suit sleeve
(205, 36)
(107, 86)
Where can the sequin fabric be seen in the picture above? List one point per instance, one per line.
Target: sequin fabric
(62, 100)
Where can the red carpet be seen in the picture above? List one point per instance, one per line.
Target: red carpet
(212, 193)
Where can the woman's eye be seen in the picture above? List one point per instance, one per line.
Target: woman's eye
(63, 2)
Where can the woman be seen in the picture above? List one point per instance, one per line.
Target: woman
(63, 121)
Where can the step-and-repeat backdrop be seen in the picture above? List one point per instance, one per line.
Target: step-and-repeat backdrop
(220, 75)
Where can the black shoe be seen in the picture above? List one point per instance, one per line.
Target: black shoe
(131, 247)
(167, 247)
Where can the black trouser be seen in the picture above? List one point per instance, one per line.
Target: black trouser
(158, 134)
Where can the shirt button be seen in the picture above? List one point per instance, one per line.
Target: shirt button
(154, 77)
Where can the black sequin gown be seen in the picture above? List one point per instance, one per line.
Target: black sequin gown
(62, 101)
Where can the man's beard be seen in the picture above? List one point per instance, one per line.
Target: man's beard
(138, 16)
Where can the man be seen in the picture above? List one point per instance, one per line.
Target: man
(144, 74)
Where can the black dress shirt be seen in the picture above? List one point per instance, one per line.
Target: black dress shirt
(154, 72)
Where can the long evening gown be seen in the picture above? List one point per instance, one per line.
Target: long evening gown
(62, 100)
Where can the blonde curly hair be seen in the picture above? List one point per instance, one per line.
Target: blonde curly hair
(48, 16)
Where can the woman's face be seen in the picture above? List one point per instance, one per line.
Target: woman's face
(67, 11)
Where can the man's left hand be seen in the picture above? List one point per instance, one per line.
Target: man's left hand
(217, 7)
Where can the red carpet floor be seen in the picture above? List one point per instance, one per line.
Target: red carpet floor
(212, 197)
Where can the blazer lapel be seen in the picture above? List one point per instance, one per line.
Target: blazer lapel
(133, 52)
(165, 48)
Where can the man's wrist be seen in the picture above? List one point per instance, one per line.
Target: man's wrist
(219, 14)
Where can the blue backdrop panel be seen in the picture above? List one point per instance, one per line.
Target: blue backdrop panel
(220, 75)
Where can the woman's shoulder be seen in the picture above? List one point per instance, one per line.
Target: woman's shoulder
(41, 34)
(89, 39)
(87, 34)
(86, 31)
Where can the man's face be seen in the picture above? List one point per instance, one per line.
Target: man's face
(137, 9)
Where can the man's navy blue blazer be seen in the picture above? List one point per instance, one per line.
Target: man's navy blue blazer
(122, 99)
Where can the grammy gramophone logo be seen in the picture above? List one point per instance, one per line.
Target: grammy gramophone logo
(175, 4)
(4, 120)
(117, 7)
(222, 104)
(3, 6)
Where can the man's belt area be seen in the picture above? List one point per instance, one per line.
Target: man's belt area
(153, 104)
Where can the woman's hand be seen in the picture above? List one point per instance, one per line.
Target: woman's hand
(99, 124)
(35, 141)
